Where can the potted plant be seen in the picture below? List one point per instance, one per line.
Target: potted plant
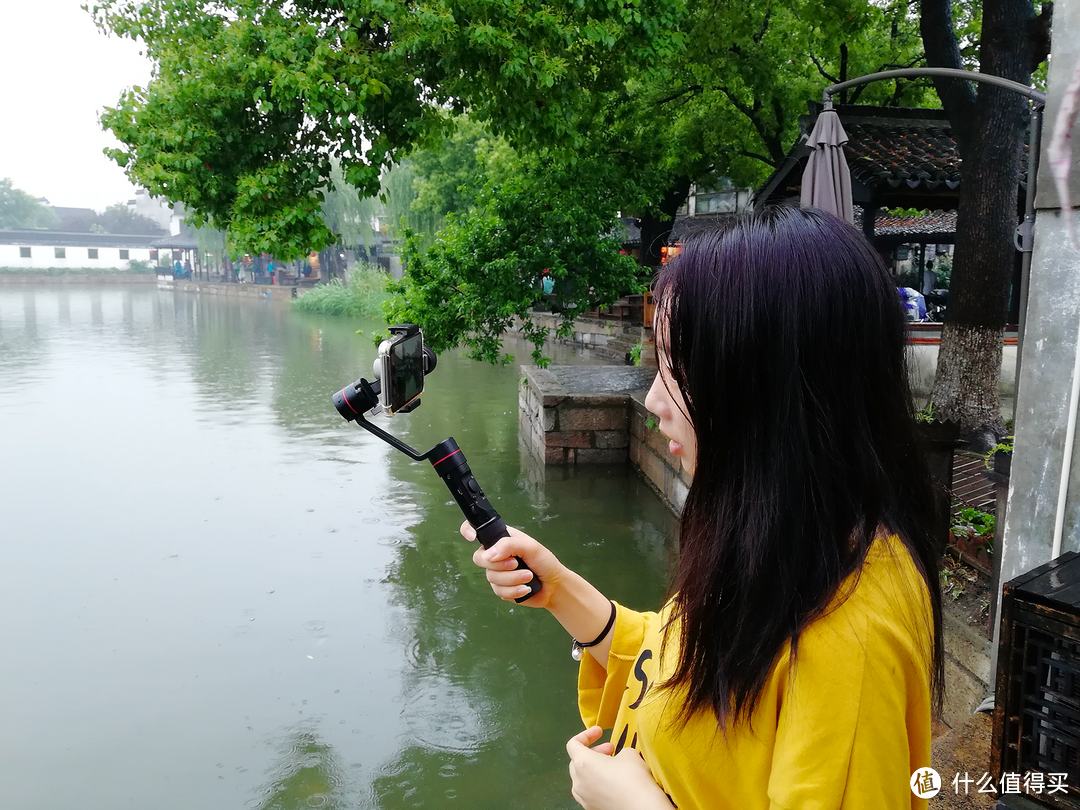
(999, 457)
(972, 534)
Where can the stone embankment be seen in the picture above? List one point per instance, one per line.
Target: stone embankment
(270, 292)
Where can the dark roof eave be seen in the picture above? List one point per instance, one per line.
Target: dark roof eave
(69, 239)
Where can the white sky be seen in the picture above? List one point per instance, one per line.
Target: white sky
(57, 72)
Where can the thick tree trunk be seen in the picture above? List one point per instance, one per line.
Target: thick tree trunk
(969, 359)
(655, 228)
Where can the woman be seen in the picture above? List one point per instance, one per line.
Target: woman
(797, 661)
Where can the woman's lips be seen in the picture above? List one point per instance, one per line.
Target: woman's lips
(674, 447)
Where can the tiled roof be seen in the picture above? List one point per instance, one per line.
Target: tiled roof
(897, 150)
(628, 231)
(175, 242)
(941, 224)
(66, 239)
(890, 150)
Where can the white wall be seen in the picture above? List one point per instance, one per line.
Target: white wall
(43, 257)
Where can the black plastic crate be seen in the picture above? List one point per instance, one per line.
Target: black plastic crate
(1037, 711)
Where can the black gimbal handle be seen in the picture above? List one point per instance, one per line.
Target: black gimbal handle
(353, 401)
(449, 462)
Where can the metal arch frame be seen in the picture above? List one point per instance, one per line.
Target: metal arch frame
(1038, 96)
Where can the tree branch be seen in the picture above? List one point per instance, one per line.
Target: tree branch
(760, 35)
(887, 66)
(822, 70)
(754, 155)
(738, 105)
(753, 114)
(695, 88)
(943, 50)
(1039, 35)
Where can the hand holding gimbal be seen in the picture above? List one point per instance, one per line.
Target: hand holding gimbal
(399, 370)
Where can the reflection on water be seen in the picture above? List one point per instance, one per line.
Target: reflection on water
(221, 594)
(308, 775)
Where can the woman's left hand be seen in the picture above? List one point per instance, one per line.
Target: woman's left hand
(602, 781)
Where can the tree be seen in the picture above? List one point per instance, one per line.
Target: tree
(989, 124)
(729, 105)
(118, 218)
(451, 174)
(19, 210)
(346, 212)
(251, 101)
(485, 268)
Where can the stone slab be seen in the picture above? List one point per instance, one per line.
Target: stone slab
(611, 439)
(585, 418)
(575, 438)
(603, 379)
(598, 456)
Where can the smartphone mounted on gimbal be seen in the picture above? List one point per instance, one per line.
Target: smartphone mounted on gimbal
(400, 368)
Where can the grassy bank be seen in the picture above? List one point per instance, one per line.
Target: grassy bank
(363, 296)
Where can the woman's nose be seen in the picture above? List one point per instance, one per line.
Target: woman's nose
(655, 399)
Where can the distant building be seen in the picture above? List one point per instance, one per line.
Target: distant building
(43, 250)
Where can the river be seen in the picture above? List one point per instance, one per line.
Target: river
(219, 594)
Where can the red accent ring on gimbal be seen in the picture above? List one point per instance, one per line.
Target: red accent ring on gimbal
(444, 458)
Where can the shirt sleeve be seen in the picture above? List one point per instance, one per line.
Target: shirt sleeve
(600, 690)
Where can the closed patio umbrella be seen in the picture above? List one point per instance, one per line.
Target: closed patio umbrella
(826, 181)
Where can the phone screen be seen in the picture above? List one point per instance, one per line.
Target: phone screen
(406, 361)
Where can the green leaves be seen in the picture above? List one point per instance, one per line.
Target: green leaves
(485, 269)
(243, 87)
(275, 119)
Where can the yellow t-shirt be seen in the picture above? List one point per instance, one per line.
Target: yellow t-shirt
(845, 728)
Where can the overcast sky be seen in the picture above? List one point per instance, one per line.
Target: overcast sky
(58, 72)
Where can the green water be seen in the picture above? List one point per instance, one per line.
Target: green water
(218, 594)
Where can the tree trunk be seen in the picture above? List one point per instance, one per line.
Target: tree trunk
(969, 358)
(655, 228)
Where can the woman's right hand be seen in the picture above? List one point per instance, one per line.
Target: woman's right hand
(506, 581)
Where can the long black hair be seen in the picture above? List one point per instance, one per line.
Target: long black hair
(787, 340)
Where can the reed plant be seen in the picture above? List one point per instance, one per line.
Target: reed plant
(363, 295)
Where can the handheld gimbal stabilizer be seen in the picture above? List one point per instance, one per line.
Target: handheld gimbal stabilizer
(355, 400)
